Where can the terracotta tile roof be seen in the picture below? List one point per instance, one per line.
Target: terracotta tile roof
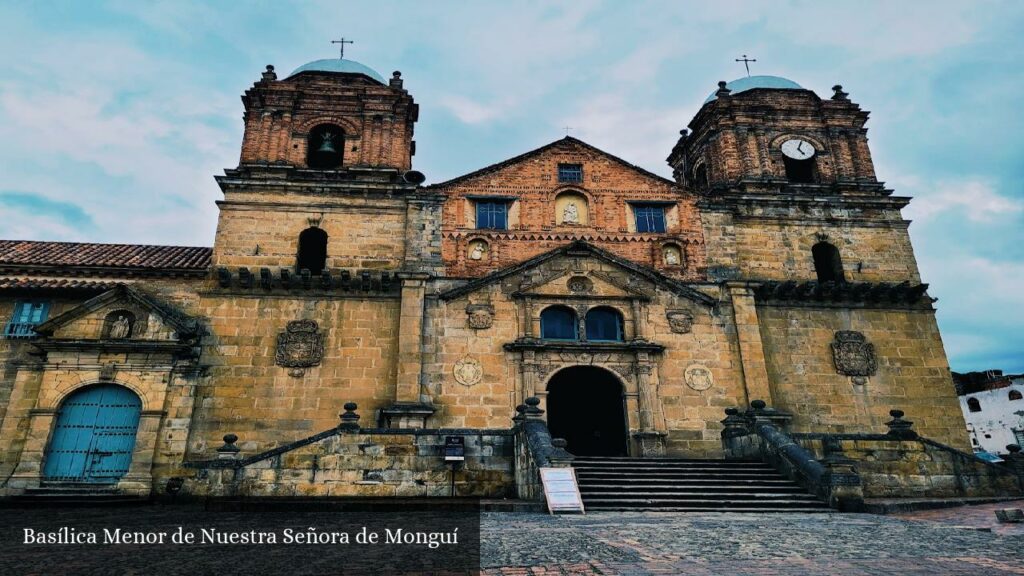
(54, 284)
(14, 253)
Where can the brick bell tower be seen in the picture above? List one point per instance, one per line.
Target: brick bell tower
(786, 176)
(324, 226)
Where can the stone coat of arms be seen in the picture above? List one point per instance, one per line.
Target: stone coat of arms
(679, 321)
(481, 316)
(698, 377)
(853, 354)
(301, 345)
(468, 371)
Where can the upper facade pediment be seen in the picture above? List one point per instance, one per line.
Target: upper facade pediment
(121, 314)
(583, 270)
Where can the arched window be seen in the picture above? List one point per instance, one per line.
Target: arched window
(827, 263)
(325, 147)
(973, 405)
(700, 177)
(312, 251)
(558, 323)
(1015, 395)
(604, 323)
(799, 171)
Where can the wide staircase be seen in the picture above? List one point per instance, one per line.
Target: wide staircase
(75, 494)
(688, 485)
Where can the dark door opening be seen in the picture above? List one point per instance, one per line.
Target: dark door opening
(587, 408)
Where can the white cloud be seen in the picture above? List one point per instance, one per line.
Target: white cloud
(975, 198)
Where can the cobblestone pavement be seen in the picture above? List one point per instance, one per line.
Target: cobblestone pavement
(622, 544)
(633, 544)
(981, 516)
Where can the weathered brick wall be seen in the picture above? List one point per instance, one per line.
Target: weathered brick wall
(262, 230)
(377, 120)
(912, 375)
(608, 185)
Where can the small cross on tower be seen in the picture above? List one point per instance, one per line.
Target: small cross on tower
(567, 129)
(342, 42)
(746, 63)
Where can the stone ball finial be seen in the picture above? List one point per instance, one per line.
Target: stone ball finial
(684, 132)
(533, 401)
(230, 438)
(897, 413)
(350, 406)
(721, 84)
(838, 93)
(396, 74)
(559, 443)
(1013, 448)
(731, 411)
(758, 404)
(270, 67)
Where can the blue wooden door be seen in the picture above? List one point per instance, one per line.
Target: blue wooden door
(94, 435)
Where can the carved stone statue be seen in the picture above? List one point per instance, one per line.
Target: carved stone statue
(477, 251)
(570, 215)
(672, 256)
(121, 327)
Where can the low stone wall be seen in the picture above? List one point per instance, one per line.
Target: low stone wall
(365, 463)
(915, 468)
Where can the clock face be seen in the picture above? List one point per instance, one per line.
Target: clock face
(798, 149)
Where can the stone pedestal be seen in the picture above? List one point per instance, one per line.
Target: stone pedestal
(651, 444)
(407, 415)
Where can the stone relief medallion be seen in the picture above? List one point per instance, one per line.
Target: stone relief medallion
(698, 377)
(481, 316)
(680, 321)
(580, 284)
(468, 371)
(853, 354)
(301, 345)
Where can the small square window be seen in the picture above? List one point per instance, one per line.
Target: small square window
(570, 173)
(492, 215)
(649, 218)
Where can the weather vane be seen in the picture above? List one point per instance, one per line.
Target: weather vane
(342, 42)
(746, 63)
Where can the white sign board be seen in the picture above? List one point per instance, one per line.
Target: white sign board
(561, 491)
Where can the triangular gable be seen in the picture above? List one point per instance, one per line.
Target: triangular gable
(590, 250)
(543, 149)
(183, 324)
(604, 284)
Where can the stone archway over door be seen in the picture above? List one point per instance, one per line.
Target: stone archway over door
(586, 406)
(94, 436)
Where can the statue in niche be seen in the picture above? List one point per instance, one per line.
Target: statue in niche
(121, 327)
(570, 215)
(672, 256)
(477, 251)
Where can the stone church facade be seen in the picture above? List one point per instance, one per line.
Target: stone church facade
(773, 266)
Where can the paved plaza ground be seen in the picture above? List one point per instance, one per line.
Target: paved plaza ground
(625, 544)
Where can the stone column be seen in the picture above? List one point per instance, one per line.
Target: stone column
(410, 339)
(29, 472)
(748, 333)
(639, 326)
(651, 437)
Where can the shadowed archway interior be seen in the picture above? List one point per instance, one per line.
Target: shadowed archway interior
(586, 407)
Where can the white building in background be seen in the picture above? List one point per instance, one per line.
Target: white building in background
(993, 409)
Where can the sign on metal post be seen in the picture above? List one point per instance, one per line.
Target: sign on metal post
(561, 491)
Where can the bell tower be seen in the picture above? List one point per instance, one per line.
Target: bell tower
(788, 188)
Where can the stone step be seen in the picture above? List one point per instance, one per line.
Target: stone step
(625, 475)
(701, 495)
(710, 509)
(615, 459)
(660, 462)
(662, 488)
(753, 505)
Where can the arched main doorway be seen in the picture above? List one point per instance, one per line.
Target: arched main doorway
(587, 408)
(94, 435)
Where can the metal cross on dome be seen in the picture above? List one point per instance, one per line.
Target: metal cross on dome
(342, 42)
(746, 63)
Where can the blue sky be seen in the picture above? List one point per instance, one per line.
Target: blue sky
(114, 116)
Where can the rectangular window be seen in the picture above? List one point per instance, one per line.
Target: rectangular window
(649, 218)
(570, 173)
(492, 215)
(26, 316)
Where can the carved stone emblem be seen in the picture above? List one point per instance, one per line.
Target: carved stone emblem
(679, 321)
(698, 377)
(580, 284)
(301, 345)
(481, 316)
(468, 371)
(853, 354)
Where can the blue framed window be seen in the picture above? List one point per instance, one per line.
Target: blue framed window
(570, 173)
(649, 217)
(27, 315)
(558, 323)
(604, 324)
(492, 215)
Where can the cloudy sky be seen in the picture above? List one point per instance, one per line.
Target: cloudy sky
(114, 116)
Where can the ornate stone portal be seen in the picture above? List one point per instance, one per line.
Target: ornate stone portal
(301, 345)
